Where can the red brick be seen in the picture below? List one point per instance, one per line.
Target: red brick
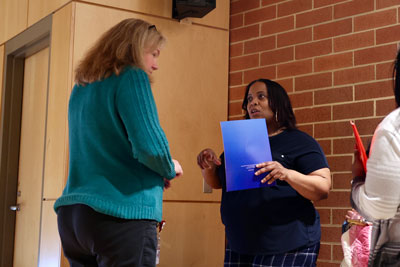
(314, 114)
(375, 54)
(334, 95)
(373, 90)
(332, 29)
(235, 78)
(295, 68)
(354, 75)
(236, 21)
(326, 146)
(236, 50)
(375, 20)
(384, 107)
(336, 198)
(332, 62)
(325, 216)
(339, 215)
(386, 3)
(237, 93)
(244, 62)
(367, 126)
(270, 2)
(259, 15)
(307, 129)
(332, 129)
(325, 252)
(354, 41)
(278, 25)
(313, 49)
(243, 5)
(287, 84)
(244, 33)
(236, 118)
(353, 110)
(313, 81)
(331, 234)
(265, 72)
(322, 3)
(384, 70)
(352, 8)
(235, 108)
(262, 44)
(277, 56)
(337, 253)
(293, 7)
(343, 145)
(294, 37)
(388, 35)
(340, 163)
(341, 180)
(313, 17)
(301, 99)
(327, 264)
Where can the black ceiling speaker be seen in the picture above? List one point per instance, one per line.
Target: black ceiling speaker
(191, 8)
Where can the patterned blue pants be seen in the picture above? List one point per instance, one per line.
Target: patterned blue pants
(302, 257)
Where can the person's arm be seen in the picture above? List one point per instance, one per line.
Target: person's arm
(313, 186)
(377, 195)
(208, 162)
(137, 109)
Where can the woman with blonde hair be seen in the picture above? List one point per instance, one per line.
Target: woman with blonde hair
(119, 159)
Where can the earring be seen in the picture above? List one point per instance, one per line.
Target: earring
(276, 116)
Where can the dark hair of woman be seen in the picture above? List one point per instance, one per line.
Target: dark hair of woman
(396, 76)
(278, 101)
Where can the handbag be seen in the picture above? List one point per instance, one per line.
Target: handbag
(385, 242)
(356, 244)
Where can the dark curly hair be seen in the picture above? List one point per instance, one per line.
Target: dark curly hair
(278, 101)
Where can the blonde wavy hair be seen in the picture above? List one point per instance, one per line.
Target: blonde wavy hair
(122, 45)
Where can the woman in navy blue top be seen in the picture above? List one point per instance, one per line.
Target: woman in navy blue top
(277, 225)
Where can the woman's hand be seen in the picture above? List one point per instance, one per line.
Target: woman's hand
(313, 186)
(208, 162)
(277, 171)
(207, 159)
(357, 167)
(178, 168)
(178, 171)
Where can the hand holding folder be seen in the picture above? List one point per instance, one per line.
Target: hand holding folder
(360, 146)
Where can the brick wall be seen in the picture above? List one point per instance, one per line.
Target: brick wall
(334, 57)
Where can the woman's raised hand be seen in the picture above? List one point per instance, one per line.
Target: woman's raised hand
(207, 159)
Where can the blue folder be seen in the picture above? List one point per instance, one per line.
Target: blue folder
(246, 144)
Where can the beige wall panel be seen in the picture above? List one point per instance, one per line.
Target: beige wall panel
(60, 83)
(13, 18)
(219, 17)
(50, 244)
(191, 93)
(199, 240)
(1, 75)
(190, 88)
(39, 9)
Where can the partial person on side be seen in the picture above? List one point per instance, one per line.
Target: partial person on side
(277, 225)
(119, 157)
(376, 193)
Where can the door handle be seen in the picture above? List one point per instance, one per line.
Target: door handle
(15, 208)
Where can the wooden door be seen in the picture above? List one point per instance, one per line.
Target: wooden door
(31, 160)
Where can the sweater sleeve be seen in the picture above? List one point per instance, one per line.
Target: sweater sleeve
(136, 106)
(378, 196)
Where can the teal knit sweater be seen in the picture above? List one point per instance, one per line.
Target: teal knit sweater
(118, 152)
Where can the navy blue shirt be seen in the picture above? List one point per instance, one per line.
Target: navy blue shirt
(277, 219)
